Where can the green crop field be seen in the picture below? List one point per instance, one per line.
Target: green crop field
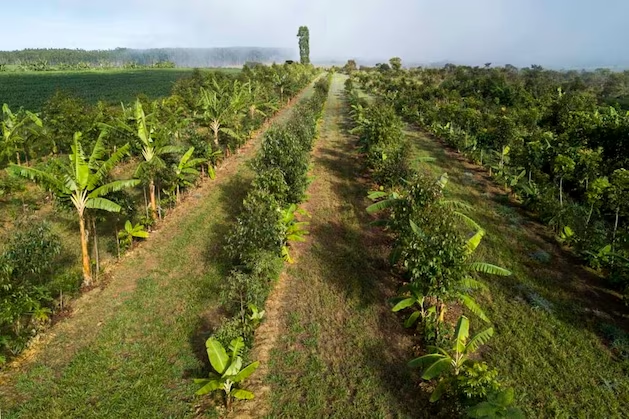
(32, 89)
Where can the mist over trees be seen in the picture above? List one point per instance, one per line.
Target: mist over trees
(182, 57)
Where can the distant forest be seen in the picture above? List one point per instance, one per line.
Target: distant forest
(182, 57)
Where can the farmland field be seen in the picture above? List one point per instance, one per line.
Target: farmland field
(32, 89)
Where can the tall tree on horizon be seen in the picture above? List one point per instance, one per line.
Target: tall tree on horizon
(304, 44)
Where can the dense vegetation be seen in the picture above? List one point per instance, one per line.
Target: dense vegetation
(259, 241)
(90, 159)
(65, 59)
(551, 137)
(434, 243)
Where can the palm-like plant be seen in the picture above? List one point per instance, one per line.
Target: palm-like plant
(130, 232)
(154, 147)
(83, 180)
(228, 370)
(447, 364)
(220, 111)
(13, 125)
(185, 170)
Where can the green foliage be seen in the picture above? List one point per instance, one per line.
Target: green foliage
(498, 405)
(294, 230)
(228, 371)
(26, 286)
(447, 364)
(130, 232)
(304, 44)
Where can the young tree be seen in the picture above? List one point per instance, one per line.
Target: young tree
(396, 63)
(82, 181)
(304, 44)
(563, 167)
(153, 148)
(186, 170)
(13, 131)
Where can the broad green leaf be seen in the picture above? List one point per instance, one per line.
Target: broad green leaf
(473, 306)
(437, 368)
(102, 204)
(461, 333)
(405, 303)
(241, 394)
(380, 206)
(412, 319)
(208, 387)
(425, 360)
(234, 367)
(488, 268)
(479, 339)
(474, 241)
(217, 355)
(439, 390)
(416, 229)
(246, 372)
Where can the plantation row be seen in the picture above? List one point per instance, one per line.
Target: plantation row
(115, 166)
(435, 262)
(548, 136)
(259, 241)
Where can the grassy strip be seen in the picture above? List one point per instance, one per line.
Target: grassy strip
(342, 353)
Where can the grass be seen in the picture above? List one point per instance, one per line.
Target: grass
(341, 352)
(132, 348)
(548, 316)
(31, 90)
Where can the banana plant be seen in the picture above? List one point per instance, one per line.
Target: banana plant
(446, 364)
(82, 181)
(294, 230)
(256, 315)
(185, 170)
(12, 131)
(228, 371)
(154, 146)
(130, 232)
(220, 112)
(413, 298)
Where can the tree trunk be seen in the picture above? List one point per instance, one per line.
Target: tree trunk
(17, 158)
(96, 255)
(530, 171)
(159, 202)
(614, 237)
(561, 191)
(87, 276)
(152, 197)
(587, 222)
(117, 239)
(177, 193)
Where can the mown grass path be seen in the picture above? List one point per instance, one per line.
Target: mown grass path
(549, 315)
(131, 349)
(339, 351)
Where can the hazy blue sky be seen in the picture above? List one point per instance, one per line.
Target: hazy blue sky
(521, 32)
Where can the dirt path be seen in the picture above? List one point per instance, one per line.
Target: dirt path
(131, 347)
(335, 348)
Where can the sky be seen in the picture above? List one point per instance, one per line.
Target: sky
(559, 33)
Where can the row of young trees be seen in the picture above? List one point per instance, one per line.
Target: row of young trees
(91, 159)
(551, 137)
(258, 244)
(433, 253)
